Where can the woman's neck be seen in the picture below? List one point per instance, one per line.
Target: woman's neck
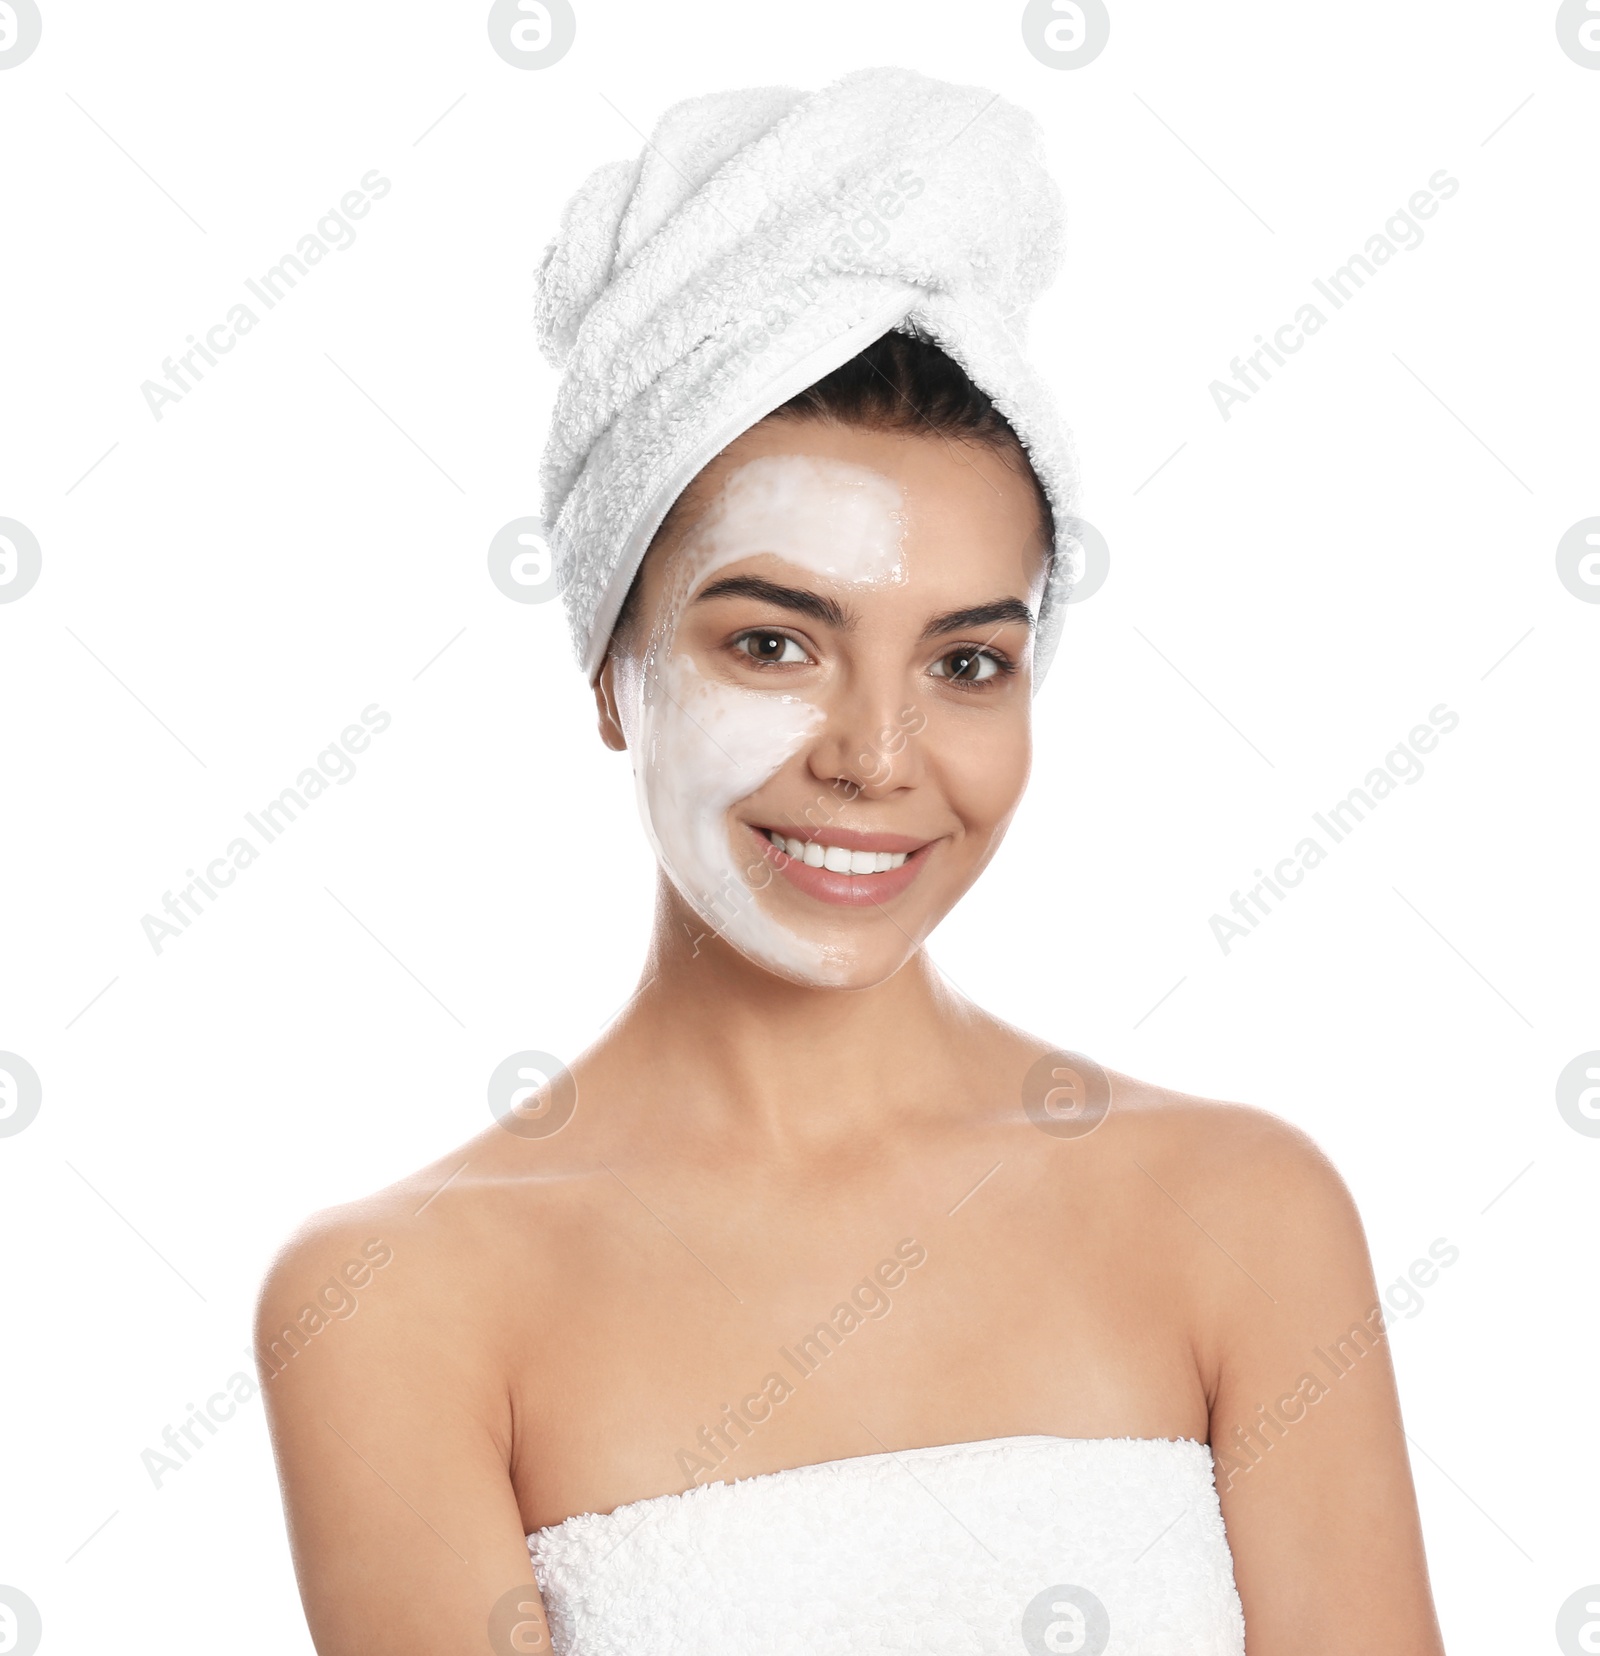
(736, 1051)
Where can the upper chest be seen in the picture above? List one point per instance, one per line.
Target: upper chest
(679, 1331)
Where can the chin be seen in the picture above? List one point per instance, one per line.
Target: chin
(822, 962)
(843, 976)
(867, 974)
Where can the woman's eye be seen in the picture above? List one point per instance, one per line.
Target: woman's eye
(968, 665)
(770, 647)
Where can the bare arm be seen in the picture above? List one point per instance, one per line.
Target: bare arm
(392, 1450)
(1311, 1458)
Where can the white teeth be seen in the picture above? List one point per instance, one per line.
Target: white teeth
(836, 858)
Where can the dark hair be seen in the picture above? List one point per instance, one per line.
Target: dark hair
(900, 382)
(904, 382)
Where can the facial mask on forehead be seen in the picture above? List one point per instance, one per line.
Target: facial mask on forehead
(839, 520)
(700, 745)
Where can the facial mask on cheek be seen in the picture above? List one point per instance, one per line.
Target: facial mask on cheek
(707, 746)
(700, 745)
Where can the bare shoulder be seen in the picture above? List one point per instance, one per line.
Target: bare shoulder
(434, 1258)
(342, 1300)
(1229, 1197)
(1077, 1114)
(1277, 1250)
(353, 1240)
(1241, 1208)
(401, 1268)
(1261, 1168)
(332, 1259)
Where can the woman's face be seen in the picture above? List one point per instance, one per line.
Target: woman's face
(832, 645)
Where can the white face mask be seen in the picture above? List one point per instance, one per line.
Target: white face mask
(699, 746)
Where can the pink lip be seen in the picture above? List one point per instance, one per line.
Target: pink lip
(849, 890)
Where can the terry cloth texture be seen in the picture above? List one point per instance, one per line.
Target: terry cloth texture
(997, 1548)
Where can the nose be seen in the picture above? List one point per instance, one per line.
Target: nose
(867, 746)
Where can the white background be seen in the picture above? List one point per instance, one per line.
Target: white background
(1291, 590)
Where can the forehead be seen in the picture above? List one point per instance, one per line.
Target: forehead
(842, 521)
(960, 511)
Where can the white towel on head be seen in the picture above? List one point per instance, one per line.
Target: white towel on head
(761, 239)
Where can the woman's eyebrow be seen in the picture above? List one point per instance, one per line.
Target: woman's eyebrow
(1002, 612)
(798, 599)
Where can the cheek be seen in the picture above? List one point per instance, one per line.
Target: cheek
(707, 746)
(983, 768)
(719, 743)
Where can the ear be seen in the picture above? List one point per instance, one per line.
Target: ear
(605, 701)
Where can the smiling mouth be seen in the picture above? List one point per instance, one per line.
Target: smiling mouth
(845, 867)
(837, 859)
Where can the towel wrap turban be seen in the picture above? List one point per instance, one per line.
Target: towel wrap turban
(761, 239)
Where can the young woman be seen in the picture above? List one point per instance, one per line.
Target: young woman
(816, 1309)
